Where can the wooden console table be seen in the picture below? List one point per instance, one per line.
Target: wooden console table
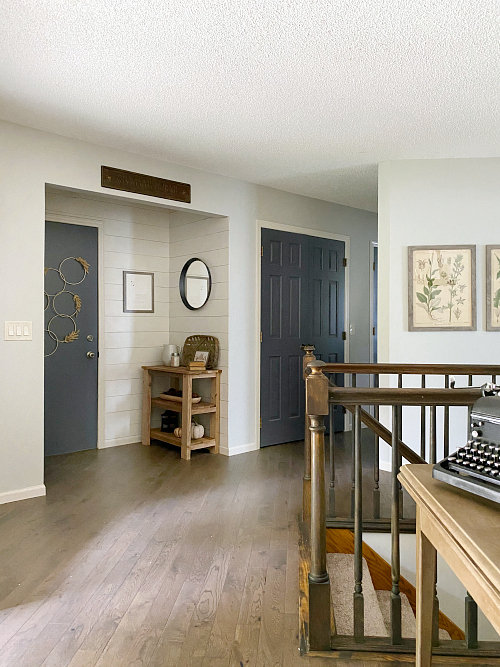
(465, 529)
(187, 408)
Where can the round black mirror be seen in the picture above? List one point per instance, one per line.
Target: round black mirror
(195, 283)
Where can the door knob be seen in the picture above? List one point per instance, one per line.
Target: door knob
(90, 355)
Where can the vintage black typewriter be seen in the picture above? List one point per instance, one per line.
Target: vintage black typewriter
(475, 467)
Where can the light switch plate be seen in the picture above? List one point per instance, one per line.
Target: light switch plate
(18, 331)
(352, 329)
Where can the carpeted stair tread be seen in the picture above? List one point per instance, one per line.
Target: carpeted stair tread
(341, 571)
(408, 628)
(407, 615)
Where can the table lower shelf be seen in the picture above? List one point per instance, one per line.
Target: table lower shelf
(196, 408)
(199, 443)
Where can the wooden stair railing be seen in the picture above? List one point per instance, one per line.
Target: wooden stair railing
(320, 396)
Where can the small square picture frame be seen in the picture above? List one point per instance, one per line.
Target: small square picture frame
(201, 355)
(138, 292)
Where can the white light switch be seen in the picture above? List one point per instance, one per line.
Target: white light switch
(352, 329)
(18, 331)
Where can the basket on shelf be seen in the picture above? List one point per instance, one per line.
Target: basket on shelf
(197, 343)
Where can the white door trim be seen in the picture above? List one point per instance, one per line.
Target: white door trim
(373, 245)
(260, 224)
(52, 216)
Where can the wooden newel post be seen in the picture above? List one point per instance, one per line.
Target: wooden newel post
(319, 581)
(306, 480)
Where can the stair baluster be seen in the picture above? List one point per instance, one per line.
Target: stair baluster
(422, 423)
(354, 383)
(471, 380)
(358, 600)
(400, 436)
(395, 555)
(331, 439)
(470, 622)
(446, 425)
(376, 464)
(433, 434)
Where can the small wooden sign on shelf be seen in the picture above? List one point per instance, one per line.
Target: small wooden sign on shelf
(196, 366)
(199, 362)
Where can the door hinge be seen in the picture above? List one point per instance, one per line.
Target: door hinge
(344, 261)
(261, 422)
(261, 336)
(262, 251)
(344, 335)
(373, 331)
(374, 267)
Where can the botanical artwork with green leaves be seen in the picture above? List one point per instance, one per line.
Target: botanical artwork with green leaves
(493, 286)
(442, 288)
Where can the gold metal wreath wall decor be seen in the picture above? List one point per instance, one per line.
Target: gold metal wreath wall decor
(51, 302)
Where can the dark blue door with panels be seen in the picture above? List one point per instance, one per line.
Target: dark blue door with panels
(302, 297)
(71, 337)
(326, 307)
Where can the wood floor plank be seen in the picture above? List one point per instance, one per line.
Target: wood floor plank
(247, 631)
(270, 651)
(138, 559)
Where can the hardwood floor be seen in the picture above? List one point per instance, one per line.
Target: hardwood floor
(138, 558)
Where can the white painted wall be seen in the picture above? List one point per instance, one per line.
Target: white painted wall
(135, 238)
(422, 202)
(29, 161)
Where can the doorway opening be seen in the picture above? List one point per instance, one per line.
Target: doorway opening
(302, 300)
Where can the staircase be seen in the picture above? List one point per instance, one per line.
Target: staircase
(353, 604)
(376, 602)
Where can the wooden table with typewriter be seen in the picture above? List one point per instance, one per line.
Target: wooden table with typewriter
(465, 529)
(458, 514)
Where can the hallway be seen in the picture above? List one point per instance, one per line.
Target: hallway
(138, 558)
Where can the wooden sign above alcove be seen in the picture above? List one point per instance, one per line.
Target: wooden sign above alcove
(141, 184)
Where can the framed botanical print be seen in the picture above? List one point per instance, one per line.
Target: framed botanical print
(442, 288)
(493, 287)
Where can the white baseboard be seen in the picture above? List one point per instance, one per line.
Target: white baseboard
(385, 465)
(118, 442)
(22, 494)
(241, 449)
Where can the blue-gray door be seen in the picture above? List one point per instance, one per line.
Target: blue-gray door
(302, 297)
(71, 337)
(326, 307)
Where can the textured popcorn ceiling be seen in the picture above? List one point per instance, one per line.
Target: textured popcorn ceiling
(303, 95)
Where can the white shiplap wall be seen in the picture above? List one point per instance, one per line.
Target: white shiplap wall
(136, 238)
(207, 239)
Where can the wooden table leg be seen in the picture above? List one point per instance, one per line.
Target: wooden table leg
(187, 391)
(146, 407)
(215, 416)
(426, 572)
